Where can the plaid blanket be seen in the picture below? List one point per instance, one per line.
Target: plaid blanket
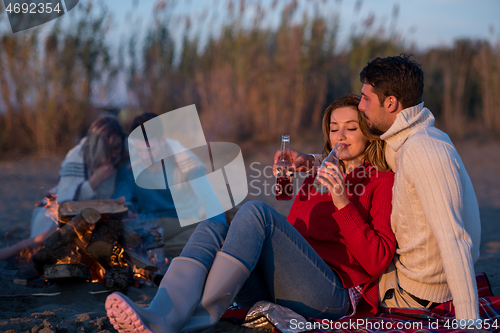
(439, 319)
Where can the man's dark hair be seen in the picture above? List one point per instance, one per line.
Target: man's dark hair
(396, 76)
(141, 119)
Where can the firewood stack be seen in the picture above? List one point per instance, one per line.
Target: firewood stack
(93, 243)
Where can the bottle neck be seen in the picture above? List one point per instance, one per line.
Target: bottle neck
(285, 146)
(334, 155)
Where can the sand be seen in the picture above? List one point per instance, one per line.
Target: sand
(24, 181)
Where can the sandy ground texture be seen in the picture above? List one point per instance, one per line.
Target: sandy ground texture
(73, 308)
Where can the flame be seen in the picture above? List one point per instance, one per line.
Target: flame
(159, 262)
(141, 273)
(117, 258)
(83, 235)
(73, 257)
(154, 258)
(97, 272)
(25, 255)
(98, 276)
(52, 208)
(80, 255)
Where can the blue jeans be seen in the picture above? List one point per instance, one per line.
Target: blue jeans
(284, 268)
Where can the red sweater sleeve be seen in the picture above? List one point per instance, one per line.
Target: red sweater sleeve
(371, 242)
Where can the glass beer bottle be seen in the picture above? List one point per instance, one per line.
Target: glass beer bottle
(333, 157)
(284, 185)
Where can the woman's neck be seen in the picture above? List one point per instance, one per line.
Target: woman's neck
(352, 164)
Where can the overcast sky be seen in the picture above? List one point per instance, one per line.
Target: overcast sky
(428, 23)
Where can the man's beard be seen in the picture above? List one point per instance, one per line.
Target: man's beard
(372, 128)
(376, 131)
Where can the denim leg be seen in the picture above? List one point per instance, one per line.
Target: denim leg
(295, 275)
(203, 245)
(205, 242)
(254, 289)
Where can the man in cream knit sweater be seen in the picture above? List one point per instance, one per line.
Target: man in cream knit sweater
(435, 215)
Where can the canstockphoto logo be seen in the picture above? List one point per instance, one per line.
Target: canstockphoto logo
(170, 151)
(31, 13)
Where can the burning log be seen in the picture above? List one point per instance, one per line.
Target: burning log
(131, 239)
(67, 272)
(151, 238)
(76, 232)
(42, 257)
(140, 261)
(104, 237)
(91, 215)
(79, 226)
(92, 243)
(118, 278)
(109, 209)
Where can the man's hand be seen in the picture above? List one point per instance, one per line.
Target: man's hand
(300, 162)
(100, 174)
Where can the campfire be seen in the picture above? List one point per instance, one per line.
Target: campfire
(93, 243)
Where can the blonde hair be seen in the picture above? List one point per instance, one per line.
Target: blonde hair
(374, 152)
(96, 149)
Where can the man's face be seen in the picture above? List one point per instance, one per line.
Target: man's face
(143, 151)
(377, 115)
(157, 147)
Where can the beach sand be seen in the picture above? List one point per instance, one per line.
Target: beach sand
(24, 181)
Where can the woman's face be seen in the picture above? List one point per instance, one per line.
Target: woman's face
(344, 128)
(115, 148)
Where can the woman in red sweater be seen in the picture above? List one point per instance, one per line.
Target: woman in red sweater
(323, 261)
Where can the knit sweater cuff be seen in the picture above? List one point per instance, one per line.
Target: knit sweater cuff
(467, 310)
(346, 216)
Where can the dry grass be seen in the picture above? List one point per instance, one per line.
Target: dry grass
(250, 82)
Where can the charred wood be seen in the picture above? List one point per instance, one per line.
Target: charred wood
(67, 272)
(118, 278)
(108, 208)
(140, 261)
(131, 239)
(104, 237)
